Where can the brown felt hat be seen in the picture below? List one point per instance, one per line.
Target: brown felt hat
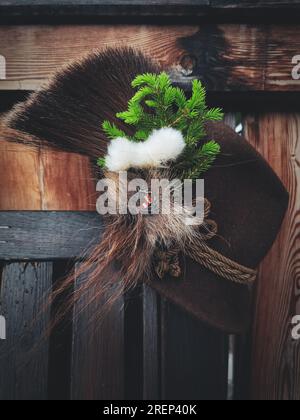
(248, 203)
(248, 200)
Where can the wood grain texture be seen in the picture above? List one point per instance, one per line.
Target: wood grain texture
(37, 51)
(44, 180)
(133, 344)
(151, 343)
(145, 3)
(19, 172)
(276, 356)
(137, 7)
(194, 358)
(228, 57)
(47, 235)
(68, 182)
(257, 4)
(60, 345)
(105, 3)
(97, 349)
(24, 354)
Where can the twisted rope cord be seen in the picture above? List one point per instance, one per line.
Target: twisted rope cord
(199, 251)
(219, 264)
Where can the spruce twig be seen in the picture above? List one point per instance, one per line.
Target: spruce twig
(158, 104)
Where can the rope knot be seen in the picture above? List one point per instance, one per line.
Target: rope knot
(168, 262)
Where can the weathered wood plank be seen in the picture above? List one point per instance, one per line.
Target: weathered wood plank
(68, 182)
(60, 344)
(137, 7)
(37, 51)
(228, 57)
(105, 3)
(20, 168)
(97, 348)
(170, 3)
(44, 180)
(242, 366)
(194, 358)
(47, 235)
(151, 344)
(256, 4)
(24, 354)
(276, 356)
(133, 344)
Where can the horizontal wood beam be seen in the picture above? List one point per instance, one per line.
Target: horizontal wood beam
(227, 57)
(117, 8)
(46, 235)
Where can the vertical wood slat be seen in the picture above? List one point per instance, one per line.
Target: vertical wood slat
(151, 344)
(97, 366)
(24, 354)
(61, 337)
(242, 367)
(276, 356)
(194, 360)
(133, 344)
(240, 348)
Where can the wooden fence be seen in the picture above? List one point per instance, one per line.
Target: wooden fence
(250, 66)
(144, 348)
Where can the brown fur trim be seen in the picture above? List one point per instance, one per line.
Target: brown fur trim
(67, 113)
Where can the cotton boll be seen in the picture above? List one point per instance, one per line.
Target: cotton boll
(119, 154)
(163, 145)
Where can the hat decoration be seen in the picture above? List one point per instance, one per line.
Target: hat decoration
(167, 142)
(173, 129)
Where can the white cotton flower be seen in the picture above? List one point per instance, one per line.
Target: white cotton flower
(163, 145)
(119, 154)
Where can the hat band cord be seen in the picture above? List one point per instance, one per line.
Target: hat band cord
(168, 262)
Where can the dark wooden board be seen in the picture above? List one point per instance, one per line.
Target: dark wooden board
(115, 6)
(60, 345)
(64, 10)
(47, 235)
(254, 3)
(97, 348)
(116, 3)
(151, 344)
(24, 353)
(180, 359)
(133, 344)
(194, 358)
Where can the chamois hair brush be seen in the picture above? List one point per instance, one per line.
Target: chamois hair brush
(66, 114)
